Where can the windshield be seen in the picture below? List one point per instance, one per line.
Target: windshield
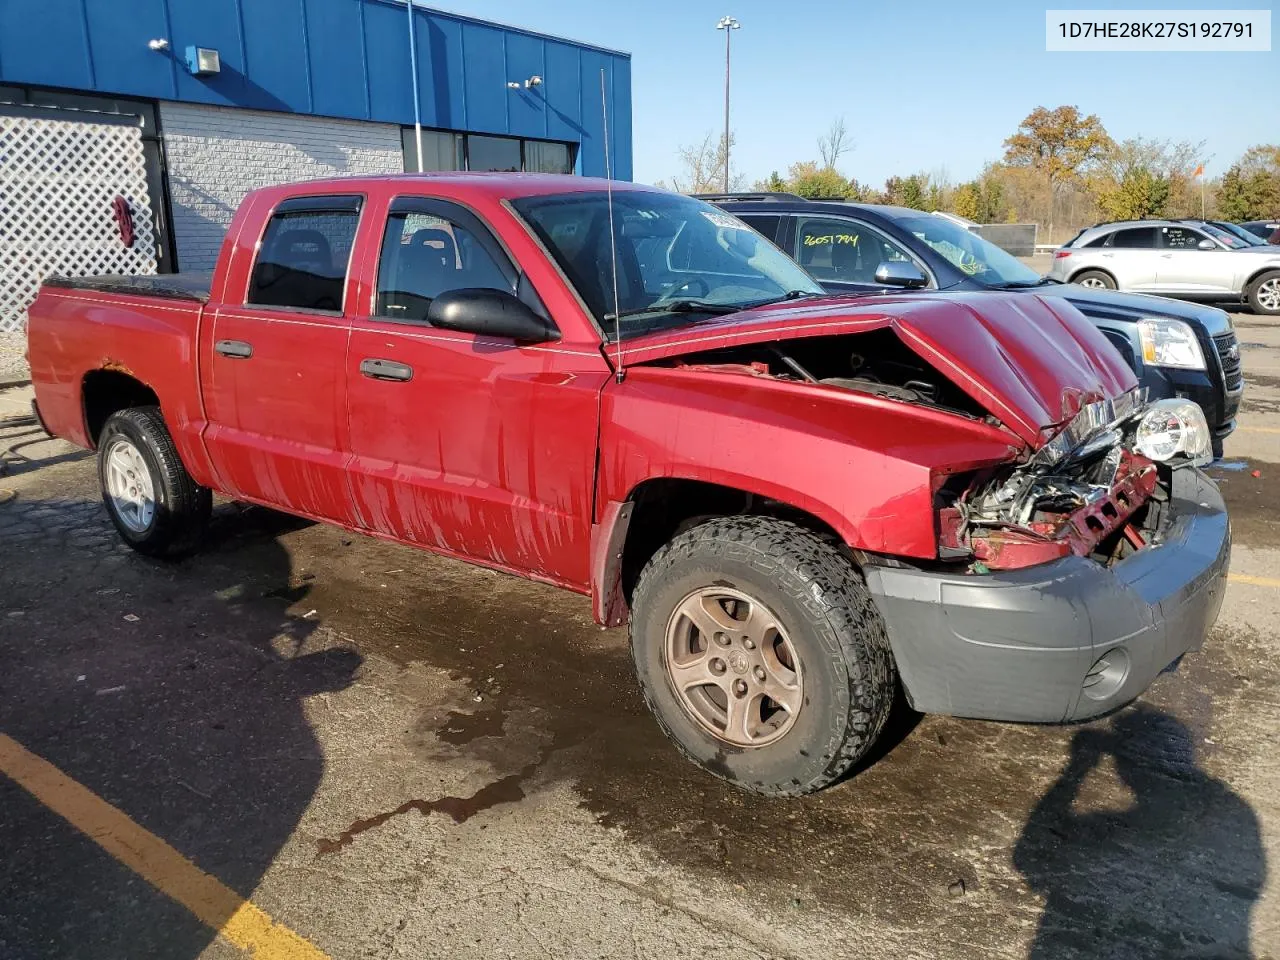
(1242, 235)
(679, 260)
(978, 258)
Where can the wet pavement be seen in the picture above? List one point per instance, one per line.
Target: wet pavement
(396, 755)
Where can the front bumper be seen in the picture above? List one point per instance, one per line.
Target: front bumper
(1066, 640)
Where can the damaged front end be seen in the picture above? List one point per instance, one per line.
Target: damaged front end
(1096, 489)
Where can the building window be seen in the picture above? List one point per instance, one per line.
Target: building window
(444, 150)
(441, 150)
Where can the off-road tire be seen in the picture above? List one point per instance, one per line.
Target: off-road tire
(1255, 289)
(829, 618)
(182, 506)
(1105, 278)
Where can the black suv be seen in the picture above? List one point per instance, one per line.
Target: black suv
(1177, 349)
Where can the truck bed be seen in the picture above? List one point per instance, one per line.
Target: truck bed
(167, 286)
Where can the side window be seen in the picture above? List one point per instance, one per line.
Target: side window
(833, 249)
(302, 261)
(423, 255)
(1099, 241)
(1181, 238)
(768, 225)
(1134, 238)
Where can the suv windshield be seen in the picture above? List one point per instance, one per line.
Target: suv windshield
(679, 260)
(978, 258)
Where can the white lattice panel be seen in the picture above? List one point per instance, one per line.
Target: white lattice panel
(58, 179)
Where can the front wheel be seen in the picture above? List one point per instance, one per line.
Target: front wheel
(1095, 279)
(154, 503)
(1264, 293)
(761, 654)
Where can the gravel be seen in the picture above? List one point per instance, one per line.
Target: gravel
(13, 365)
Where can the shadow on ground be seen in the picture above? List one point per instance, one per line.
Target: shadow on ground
(174, 692)
(1173, 869)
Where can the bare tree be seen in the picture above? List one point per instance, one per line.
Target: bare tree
(835, 143)
(702, 167)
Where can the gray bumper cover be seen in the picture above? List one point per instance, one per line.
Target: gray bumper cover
(1018, 645)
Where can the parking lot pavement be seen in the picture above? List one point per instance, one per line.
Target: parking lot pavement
(303, 742)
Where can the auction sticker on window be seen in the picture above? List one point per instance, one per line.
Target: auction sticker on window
(1157, 30)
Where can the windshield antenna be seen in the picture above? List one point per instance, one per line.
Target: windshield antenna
(619, 373)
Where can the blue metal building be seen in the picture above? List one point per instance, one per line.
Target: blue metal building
(227, 95)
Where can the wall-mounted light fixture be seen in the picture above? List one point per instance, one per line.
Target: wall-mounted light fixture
(158, 44)
(513, 84)
(534, 81)
(203, 61)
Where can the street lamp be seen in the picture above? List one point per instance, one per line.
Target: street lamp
(728, 25)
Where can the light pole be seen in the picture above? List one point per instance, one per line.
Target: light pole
(728, 25)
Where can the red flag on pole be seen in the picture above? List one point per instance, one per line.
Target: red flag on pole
(1199, 171)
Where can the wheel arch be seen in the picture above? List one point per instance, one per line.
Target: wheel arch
(632, 530)
(106, 391)
(1071, 278)
(1259, 274)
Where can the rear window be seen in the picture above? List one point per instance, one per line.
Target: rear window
(303, 257)
(1135, 238)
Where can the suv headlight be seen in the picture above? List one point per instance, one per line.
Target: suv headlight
(1173, 429)
(1169, 343)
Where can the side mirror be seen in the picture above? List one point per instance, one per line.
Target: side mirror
(1207, 244)
(489, 313)
(900, 273)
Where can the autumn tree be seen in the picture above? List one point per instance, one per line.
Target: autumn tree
(810, 180)
(1060, 145)
(1140, 193)
(965, 201)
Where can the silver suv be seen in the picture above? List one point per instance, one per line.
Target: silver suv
(1192, 260)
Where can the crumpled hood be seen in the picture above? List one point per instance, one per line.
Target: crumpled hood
(1033, 362)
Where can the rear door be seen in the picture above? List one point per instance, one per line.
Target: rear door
(469, 445)
(1131, 255)
(274, 379)
(1185, 268)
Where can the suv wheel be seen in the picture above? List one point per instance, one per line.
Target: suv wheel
(1095, 279)
(761, 654)
(1264, 293)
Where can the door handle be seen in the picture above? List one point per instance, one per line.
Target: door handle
(237, 349)
(376, 369)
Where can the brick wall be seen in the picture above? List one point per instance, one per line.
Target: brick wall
(215, 155)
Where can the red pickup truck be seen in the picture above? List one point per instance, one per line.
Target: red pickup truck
(799, 502)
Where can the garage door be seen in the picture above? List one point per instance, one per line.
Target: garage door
(73, 201)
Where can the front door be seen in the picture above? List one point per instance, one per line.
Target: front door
(1185, 268)
(274, 382)
(470, 445)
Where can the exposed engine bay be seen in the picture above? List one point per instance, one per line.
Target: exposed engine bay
(875, 362)
(1096, 489)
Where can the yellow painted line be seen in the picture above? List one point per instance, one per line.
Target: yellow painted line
(1254, 581)
(214, 904)
(1259, 429)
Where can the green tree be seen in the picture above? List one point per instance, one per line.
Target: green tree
(810, 180)
(1139, 194)
(1250, 189)
(1059, 144)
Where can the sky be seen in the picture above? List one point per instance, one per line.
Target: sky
(927, 86)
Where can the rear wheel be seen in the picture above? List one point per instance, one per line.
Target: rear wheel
(154, 503)
(1264, 293)
(1095, 279)
(761, 654)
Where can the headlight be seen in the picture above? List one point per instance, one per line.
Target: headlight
(1169, 343)
(1173, 429)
